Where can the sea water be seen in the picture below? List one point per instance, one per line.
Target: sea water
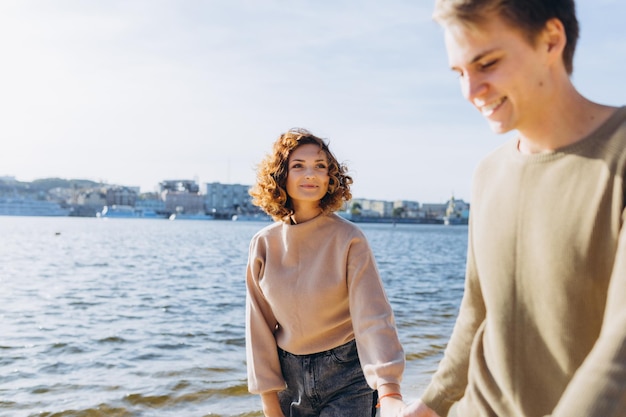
(145, 317)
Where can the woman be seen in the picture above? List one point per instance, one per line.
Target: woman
(320, 333)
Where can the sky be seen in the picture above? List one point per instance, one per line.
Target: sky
(135, 92)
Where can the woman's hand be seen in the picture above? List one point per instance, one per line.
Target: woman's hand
(271, 405)
(390, 400)
(391, 407)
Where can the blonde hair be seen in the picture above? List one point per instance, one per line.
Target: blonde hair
(529, 16)
(270, 191)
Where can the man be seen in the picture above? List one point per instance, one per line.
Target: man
(542, 324)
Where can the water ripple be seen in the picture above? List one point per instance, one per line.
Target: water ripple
(145, 318)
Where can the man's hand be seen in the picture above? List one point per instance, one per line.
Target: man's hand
(418, 409)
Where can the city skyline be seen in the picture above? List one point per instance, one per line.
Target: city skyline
(135, 92)
(202, 187)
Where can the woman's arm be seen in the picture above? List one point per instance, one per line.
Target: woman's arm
(390, 400)
(271, 405)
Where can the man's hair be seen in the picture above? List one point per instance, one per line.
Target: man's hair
(530, 16)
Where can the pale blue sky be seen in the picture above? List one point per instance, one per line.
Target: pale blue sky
(138, 91)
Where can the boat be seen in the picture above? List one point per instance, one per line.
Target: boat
(454, 216)
(250, 218)
(21, 206)
(191, 216)
(125, 212)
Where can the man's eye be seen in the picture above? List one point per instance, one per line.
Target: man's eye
(488, 64)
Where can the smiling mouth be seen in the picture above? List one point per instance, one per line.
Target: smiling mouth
(489, 109)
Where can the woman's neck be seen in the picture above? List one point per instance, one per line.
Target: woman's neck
(304, 214)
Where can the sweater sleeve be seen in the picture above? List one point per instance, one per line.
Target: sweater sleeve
(264, 374)
(380, 351)
(449, 382)
(599, 386)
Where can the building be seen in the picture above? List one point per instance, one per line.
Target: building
(151, 202)
(406, 209)
(121, 196)
(372, 208)
(228, 199)
(182, 197)
(457, 212)
(434, 211)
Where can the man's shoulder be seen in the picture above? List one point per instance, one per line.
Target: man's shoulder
(615, 127)
(499, 156)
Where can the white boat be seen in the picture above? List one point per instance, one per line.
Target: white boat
(191, 216)
(125, 212)
(251, 218)
(20, 206)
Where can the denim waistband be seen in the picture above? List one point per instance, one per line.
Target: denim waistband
(317, 354)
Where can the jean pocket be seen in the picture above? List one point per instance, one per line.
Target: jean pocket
(345, 353)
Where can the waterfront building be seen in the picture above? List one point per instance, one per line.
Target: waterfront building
(373, 208)
(457, 212)
(182, 197)
(406, 209)
(88, 202)
(228, 199)
(150, 202)
(434, 211)
(121, 196)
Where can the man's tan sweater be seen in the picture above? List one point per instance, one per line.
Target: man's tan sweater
(542, 325)
(312, 287)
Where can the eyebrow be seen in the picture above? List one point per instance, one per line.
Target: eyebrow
(303, 160)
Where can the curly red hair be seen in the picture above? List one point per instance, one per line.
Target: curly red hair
(270, 191)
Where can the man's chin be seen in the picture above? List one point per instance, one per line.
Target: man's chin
(498, 127)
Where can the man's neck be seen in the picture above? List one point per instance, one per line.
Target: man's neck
(565, 121)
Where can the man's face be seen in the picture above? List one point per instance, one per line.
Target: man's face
(501, 73)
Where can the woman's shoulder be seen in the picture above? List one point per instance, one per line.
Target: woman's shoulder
(346, 226)
(268, 230)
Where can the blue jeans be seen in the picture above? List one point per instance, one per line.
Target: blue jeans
(326, 384)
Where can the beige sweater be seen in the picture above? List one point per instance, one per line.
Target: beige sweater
(312, 287)
(542, 325)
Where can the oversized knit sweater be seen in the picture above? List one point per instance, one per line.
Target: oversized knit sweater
(312, 287)
(542, 325)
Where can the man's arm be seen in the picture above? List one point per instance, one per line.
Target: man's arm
(599, 386)
(449, 382)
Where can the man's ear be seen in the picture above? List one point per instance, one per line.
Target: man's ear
(553, 37)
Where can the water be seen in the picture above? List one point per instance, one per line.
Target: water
(138, 317)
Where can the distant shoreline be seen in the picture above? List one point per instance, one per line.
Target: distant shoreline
(394, 220)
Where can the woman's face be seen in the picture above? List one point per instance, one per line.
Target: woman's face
(307, 175)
